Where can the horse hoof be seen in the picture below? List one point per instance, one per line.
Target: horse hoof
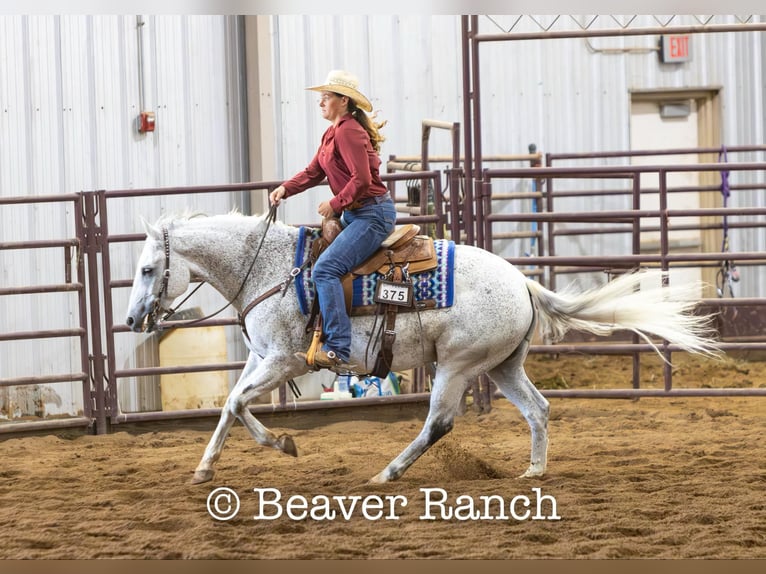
(287, 445)
(378, 479)
(201, 476)
(532, 472)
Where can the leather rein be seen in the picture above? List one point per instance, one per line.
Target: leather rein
(158, 308)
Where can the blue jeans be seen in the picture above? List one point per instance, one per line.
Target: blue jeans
(364, 229)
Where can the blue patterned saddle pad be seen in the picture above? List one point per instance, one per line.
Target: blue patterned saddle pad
(437, 285)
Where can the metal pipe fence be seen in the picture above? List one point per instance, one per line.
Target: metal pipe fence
(71, 248)
(113, 374)
(630, 222)
(92, 281)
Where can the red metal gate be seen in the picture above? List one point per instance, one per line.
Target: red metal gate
(75, 277)
(92, 281)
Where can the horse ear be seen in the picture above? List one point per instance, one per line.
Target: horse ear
(151, 230)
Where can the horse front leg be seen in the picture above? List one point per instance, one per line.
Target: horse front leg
(259, 376)
(205, 469)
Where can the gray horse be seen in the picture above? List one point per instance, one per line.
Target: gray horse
(487, 330)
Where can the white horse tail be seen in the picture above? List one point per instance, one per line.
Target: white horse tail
(664, 312)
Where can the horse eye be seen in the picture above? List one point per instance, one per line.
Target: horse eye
(146, 271)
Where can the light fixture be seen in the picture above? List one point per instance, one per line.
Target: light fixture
(675, 109)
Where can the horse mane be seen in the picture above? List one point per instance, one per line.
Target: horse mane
(169, 218)
(187, 215)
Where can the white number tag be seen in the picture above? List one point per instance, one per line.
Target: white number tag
(394, 293)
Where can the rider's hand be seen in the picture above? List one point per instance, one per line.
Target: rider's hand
(325, 210)
(275, 197)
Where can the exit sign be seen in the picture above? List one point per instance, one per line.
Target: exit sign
(675, 48)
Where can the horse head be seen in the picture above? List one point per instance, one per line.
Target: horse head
(161, 276)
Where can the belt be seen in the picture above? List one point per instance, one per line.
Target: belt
(369, 201)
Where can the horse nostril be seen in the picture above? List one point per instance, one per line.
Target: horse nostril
(130, 321)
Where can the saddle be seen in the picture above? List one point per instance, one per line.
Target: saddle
(403, 246)
(402, 249)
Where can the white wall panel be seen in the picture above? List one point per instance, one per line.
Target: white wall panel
(409, 67)
(69, 96)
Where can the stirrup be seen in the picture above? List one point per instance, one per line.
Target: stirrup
(326, 360)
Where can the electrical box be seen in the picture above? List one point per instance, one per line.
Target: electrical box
(145, 122)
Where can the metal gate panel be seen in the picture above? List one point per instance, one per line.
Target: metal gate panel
(36, 334)
(69, 97)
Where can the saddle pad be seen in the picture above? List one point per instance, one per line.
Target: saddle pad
(436, 285)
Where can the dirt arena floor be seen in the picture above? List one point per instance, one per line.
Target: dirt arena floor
(648, 478)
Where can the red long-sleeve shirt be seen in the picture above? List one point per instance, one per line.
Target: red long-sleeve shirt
(348, 161)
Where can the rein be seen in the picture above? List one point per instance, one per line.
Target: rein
(272, 216)
(273, 291)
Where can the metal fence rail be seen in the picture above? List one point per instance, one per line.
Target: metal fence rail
(436, 219)
(630, 221)
(91, 278)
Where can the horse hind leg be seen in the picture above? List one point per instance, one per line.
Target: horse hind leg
(512, 380)
(444, 406)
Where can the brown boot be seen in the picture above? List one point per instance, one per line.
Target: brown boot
(327, 360)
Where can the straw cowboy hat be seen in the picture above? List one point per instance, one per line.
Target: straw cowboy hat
(341, 82)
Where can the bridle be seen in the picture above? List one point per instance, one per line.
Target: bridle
(157, 308)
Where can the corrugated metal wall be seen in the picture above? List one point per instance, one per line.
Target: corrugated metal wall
(409, 67)
(69, 97)
(564, 95)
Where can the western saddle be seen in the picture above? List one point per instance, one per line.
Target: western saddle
(402, 253)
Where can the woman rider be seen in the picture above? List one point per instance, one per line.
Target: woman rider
(348, 158)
